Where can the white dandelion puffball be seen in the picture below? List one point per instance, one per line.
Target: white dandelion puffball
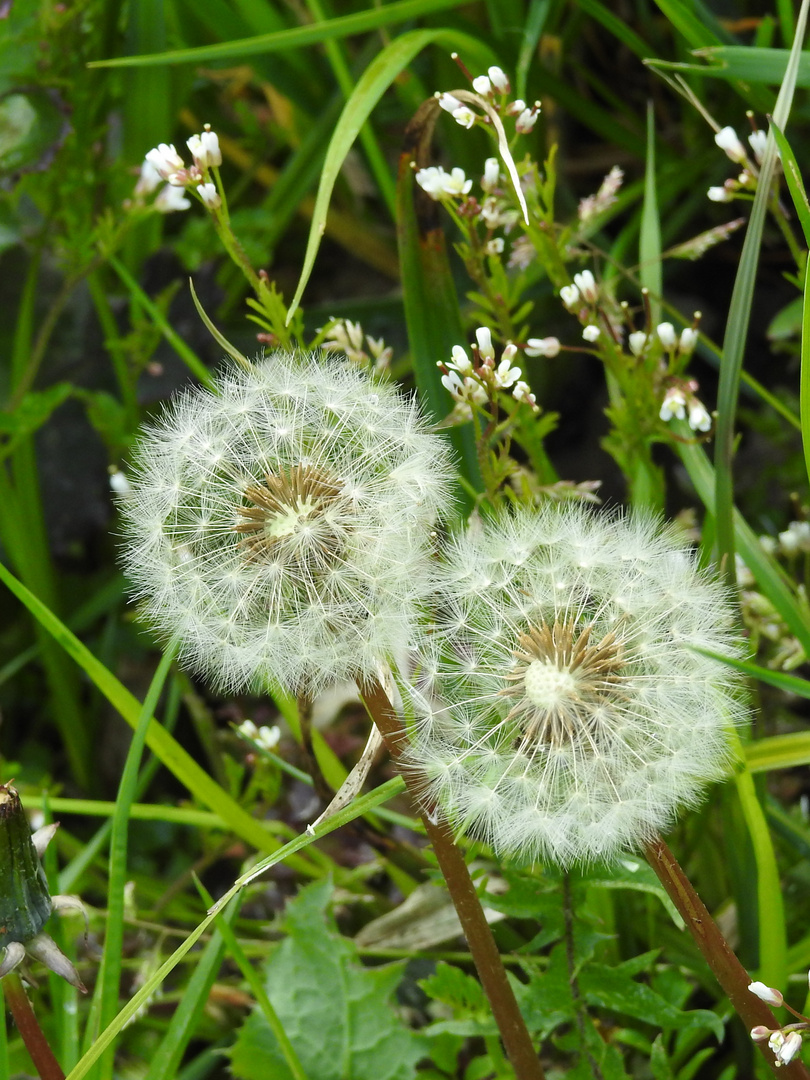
(279, 527)
(563, 713)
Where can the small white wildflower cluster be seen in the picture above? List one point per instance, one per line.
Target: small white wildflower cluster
(673, 350)
(582, 299)
(494, 211)
(593, 206)
(784, 1042)
(201, 178)
(492, 91)
(279, 528)
(348, 338)
(795, 540)
(746, 182)
(267, 738)
(567, 710)
(477, 381)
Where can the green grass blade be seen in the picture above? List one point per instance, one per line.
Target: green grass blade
(284, 40)
(778, 752)
(753, 65)
(804, 378)
(360, 806)
(795, 184)
(691, 19)
(649, 243)
(770, 905)
(616, 26)
(186, 354)
(371, 85)
(770, 578)
(739, 315)
(159, 741)
(165, 1061)
(105, 997)
(254, 981)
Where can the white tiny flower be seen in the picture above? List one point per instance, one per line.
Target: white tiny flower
(699, 418)
(278, 528)
(666, 335)
(760, 1033)
(766, 993)
(527, 119)
(465, 116)
(205, 149)
(569, 294)
(689, 339)
(210, 196)
(549, 347)
(148, 181)
(448, 102)
(516, 107)
(499, 80)
(494, 246)
(637, 342)
(674, 404)
(483, 335)
(482, 85)
(268, 737)
(171, 199)
(795, 538)
(586, 284)
(757, 140)
(591, 333)
(510, 351)
(789, 1048)
(460, 362)
(727, 140)
(522, 392)
(567, 709)
(455, 182)
(720, 194)
(430, 181)
(119, 482)
(492, 174)
(505, 374)
(165, 159)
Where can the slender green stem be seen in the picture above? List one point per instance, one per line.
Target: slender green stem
(28, 1026)
(727, 969)
(476, 929)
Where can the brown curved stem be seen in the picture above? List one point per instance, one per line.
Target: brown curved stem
(484, 951)
(28, 1026)
(727, 969)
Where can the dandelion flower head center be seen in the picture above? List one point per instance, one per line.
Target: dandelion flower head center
(560, 679)
(293, 511)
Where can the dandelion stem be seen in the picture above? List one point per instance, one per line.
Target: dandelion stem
(483, 949)
(727, 969)
(28, 1026)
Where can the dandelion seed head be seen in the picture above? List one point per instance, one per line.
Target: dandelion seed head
(564, 691)
(279, 527)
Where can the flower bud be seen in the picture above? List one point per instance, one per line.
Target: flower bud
(766, 993)
(727, 140)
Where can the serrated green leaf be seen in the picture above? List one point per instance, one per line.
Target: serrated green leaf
(336, 1013)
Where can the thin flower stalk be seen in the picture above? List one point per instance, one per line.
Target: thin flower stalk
(727, 969)
(28, 1026)
(483, 949)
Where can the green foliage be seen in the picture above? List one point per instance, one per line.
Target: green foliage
(325, 112)
(348, 1032)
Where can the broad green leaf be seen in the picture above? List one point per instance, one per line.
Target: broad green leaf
(370, 87)
(336, 1013)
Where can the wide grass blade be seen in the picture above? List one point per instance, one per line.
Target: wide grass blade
(296, 37)
(159, 741)
(739, 315)
(372, 84)
(359, 807)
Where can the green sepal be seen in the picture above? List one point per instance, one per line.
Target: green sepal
(25, 903)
